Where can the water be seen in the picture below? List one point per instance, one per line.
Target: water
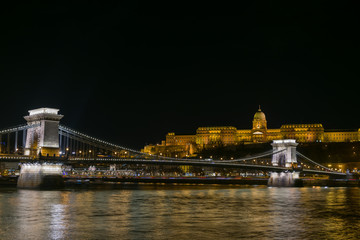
(181, 212)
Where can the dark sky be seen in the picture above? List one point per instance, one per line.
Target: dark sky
(129, 72)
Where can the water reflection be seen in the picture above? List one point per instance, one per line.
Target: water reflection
(58, 222)
(181, 212)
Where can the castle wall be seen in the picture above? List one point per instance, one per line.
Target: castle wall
(341, 136)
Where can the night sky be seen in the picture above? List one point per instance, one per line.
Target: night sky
(129, 72)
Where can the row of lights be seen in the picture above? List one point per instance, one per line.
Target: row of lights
(113, 145)
(99, 140)
(15, 157)
(117, 146)
(19, 128)
(67, 149)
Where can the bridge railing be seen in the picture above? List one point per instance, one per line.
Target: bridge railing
(312, 164)
(18, 128)
(95, 141)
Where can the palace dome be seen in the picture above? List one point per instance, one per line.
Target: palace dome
(259, 115)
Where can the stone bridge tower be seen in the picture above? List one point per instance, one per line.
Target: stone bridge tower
(44, 137)
(287, 157)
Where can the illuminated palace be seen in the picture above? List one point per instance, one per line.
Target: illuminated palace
(186, 145)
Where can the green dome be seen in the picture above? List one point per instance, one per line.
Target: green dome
(259, 115)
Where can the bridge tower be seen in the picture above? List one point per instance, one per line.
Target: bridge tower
(288, 156)
(44, 137)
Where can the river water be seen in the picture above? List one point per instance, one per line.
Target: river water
(181, 212)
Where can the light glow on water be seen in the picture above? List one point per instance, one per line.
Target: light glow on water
(177, 212)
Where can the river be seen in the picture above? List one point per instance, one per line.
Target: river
(181, 212)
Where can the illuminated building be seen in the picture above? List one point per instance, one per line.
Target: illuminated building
(184, 145)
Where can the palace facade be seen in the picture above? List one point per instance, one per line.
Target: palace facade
(186, 145)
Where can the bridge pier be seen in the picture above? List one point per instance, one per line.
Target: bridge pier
(284, 179)
(33, 175)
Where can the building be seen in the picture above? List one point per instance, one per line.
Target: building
(186, 145)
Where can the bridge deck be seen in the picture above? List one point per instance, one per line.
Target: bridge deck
(188, 162)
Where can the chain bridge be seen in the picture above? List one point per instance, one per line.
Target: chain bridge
(49, 147)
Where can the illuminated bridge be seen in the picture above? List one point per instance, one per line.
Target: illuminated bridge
(43, 140)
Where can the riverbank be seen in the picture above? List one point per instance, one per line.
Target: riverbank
(8, 181)
(106, 182)
(205, 181)
(184, 180)
(331, 182)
